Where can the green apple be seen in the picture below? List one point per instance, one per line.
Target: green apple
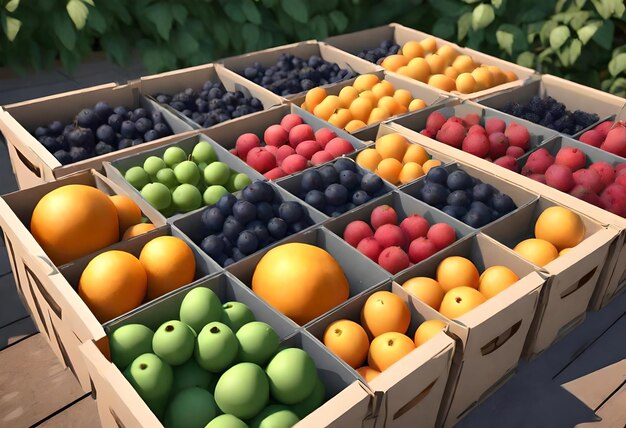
(212, 194)
(153, 164)
(190, 374)
(216, 173)
(174, 156)
(239, 180)
(137, 177)
(201, 167)
(168, 211)
(190, 408)
(258, 342)
(203, 152)
(216, 347)
(227, 421)
(312, 401)
(292, 375)
(157, 194)
(236, 314)
(186, 197)
(152, 379)
(187, 172)
(166, 176)
(128, 342)
(173, 342)
(200, 307)
(242, 391)
(275, 416)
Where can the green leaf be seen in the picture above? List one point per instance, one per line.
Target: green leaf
(12, 5)
(179, 12)
(96, 21)
(339, 20)
(471, 1)
(251, 12)
(563, 55)
(152, 59)
(586, 33)
(444, 28)
(116, 47)
(604, 35)
(482, 16)
(64, 30)
(575, 50)
(519, 42)
(559, 5)
(603, 7)
(159, 14)
(618, 87)
(559, 36)
(505, 40)
(78, 12)
(526, 59)
(69, 59)
(234, 12)
(496, 3)
(183, 43)
(533, 14)
(463, 25)
(297, 9)
(617, 64)
(89, 2)
(12, 27)
(320, 27)
(579, 19)
(269, 3)
(250, 33)
(448, 8)
(546, 29)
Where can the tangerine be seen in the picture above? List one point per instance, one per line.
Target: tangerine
(348, 340)
(169, 264)
(136, 230)
(383, 88)
(314, 97)
(347, 95)
(392, 145)
(427, 330)
(560, 226)
(355, 125)
(426, 289)
(387, 349)
(456, 271)
(365, 82)
(496, 279)
(367, 373)
(443, 82)
(429, 164)
(393, 62)
(412, 49)
(403, 96)
(429, 44)
(368, 159)
(383, 312)
(361, 108)
(415, 153)
(537, 251)
(410, 171)
(417, 104)
(128, 212)
(459, 301)
(419, 69)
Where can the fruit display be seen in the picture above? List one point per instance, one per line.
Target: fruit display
(234, 228)
(75, 220)
(301, 281)
(442, 67)
(380, 338)
(367, 101)
(336, 188)
(100, 130)
(458, 286)
(207, 369)
(375, 55)
(571, 171)
(396, 160)
(608, 136)
(289, 147)
(292, 74)
(179, 182)
(212, 104)
(463, 197)
(548, 112)
(393, 243)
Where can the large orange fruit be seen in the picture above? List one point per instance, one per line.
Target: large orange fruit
(427, 330)
(128, 212)
(495, 279)
(388, 348)
(74, 220)
(426, 289)
(169, 263)
(537, 251)
(457, 271)
(137, 229)
(300, 280)
(348, 340)
(459, 301)
(383, 312)
(561, 227)
(113, 283)
(367, 373)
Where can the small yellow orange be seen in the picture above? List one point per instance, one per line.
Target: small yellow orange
(429, 164)
(417, 104)
(389, 169)
(369, 159)
(392, 146)
(394, 62)
(465, 83)
(355, 125)
(443, 82)
(429, 44)
(410, 171)
(365, 82)
(412, 49)
(415, 153)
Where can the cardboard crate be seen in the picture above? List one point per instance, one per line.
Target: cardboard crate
(33, 164)
(573, 95)
(413, 388)
(371, 38)
(571, 280)
(348, 400)
(306, 49)
(116, 169)
(49, 291)
(361, 273)
(490, 337)
(405, 206)
(194, 77)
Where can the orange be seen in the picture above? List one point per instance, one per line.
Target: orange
(113, 283)
(464, 64)
(495, 279)
(137, 229)
(427, 330)
(451, 72)
(387, 349)
(456, 271)
(128, 212)
(410, 171)
(394, 62)
(169, 263)
(348, 340)
(301, 281)
(510, 76)
(417, 104)
(426, 289)
(429, 44)
(370, 96)
(392, 146)
(382, 89)
(74, 220)
(448, 53)
(498, 75)
(437, 64)
(459, 301)
(361, 108)
(415, 153)
(419, 69)
(383, 312)
(389, 169)
(443, 82)
(365, 82)
(403, 96)
(367, 373)
(483, 77)
(347, 95)
(537, 251)
(304, 107)
(412, 49)
(378, 114)
(429, 164)
(561, 227)
(327, 107)
(368, 159)
(314, 97)
(340, 118)
(392, 105)
(355, 125)
(465, 83)
(564, 251)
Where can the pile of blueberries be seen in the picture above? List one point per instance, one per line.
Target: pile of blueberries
(464, 197)
(376, 55)
(338, 187)
(552, 114)
(100, 130)
(292, 74)
(211, 105)
(235, 228)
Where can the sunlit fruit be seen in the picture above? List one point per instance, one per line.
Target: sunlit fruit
(387, 349)
(348, 340)
(427, 330)
(137, 229)
(169, 263)
(367, 373)
(456, 271)
(426, 289)
(495, 279)
(459, 301)
(561, 227)
(384, 312)
(537, 251)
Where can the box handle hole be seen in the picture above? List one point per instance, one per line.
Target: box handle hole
(580, 284)
(28, 164)
(414, 401)
(497, 342)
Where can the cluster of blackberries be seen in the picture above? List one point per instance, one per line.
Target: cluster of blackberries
(100, 130)
(552, 114)
(212, 105)
(292, 74)
(376, 55)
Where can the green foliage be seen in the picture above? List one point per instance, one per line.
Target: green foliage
(581, 40)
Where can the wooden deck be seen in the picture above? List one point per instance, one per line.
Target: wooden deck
(580, 381)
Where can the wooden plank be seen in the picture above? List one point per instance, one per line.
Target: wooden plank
(594, 388)
(16, 331)
(612, 414)
(11, 306)
(81, 414)
(33, 384)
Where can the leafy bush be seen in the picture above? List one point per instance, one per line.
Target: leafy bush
(582, 40)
